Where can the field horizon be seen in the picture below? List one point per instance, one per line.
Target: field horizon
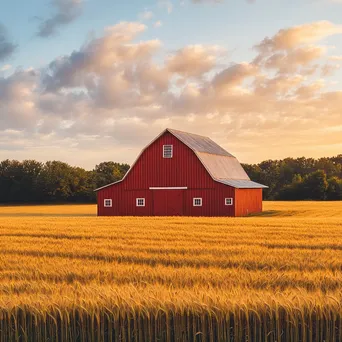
(66, 274)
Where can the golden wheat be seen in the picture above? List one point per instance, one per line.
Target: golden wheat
(67, 275)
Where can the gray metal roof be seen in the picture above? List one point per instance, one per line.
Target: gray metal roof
(222, 167)
(242, 184)
(199, 143)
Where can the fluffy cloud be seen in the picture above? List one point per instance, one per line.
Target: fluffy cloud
(7, 48)
(99, 56)
(234, 75)
(66, 11)
(146, 15)
(292, 37)
(194, 60)
(113, 94)
(6, 67)
(167, 4)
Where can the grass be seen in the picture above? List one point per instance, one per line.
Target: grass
(67, 275)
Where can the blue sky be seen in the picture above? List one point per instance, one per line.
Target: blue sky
(235, 26)
(54, 123)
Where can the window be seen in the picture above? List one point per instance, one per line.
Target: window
(229, 201)
(140, 202)
(197, 202)
(167, 151)
(108, 203)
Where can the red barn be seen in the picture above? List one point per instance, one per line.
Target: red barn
(182, 174)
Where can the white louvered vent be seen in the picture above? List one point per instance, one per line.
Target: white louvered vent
(167, 151)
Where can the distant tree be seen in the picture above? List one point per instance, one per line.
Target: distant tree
(55, 181)
(270, 173)
(292, 179)
(334, 191)
(292, 191)
(18, 180)
(109, 172)
(315, 186)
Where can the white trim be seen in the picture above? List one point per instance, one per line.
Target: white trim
(171, 150)
(194, 202)
(169, 188)
(105, 186)
(137, 202)
(110, 202)
(231, 201)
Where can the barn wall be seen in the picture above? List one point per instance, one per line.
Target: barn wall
(113, 192)
(124, 201)
(248, 201)
(213, 201)
(183, 169)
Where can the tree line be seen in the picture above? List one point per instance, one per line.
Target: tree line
(31, 181)
(299, 178)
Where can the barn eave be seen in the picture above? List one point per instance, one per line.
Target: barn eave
(242, 184)
(106, 186)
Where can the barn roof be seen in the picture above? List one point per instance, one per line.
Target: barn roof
(222, 166)
(199, 143)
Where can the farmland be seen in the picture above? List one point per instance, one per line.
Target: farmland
(68, 275)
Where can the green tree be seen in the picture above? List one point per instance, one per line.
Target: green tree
(315, 186)
(109, 172)
(334, 191)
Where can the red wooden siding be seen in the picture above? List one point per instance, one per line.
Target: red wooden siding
(248, 201)
(184, 169)
(169, 202)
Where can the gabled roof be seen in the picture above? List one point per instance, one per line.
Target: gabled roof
(198, 143)
(222, 166)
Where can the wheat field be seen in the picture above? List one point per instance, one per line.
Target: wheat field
(67, 275)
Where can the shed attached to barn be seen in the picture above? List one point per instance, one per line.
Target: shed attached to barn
(182, 174)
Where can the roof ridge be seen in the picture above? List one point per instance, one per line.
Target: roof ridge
(198, 135)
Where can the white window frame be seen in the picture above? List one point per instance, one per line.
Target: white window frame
(164, 148)
(110, 203)
(228, 199)
(194, 202)
(140, 204)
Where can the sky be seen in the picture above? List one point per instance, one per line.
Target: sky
(86, 81)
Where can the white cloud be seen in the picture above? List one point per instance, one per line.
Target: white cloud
(335, 58)
(158, 24)
(146, 15)
(6, 67)
(167, 4)
(109, 98)
(193, 60)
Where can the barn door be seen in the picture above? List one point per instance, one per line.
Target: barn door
(168, 202)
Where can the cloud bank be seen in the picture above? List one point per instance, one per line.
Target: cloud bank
(66, 11)
(112, 95)
(7, 48)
